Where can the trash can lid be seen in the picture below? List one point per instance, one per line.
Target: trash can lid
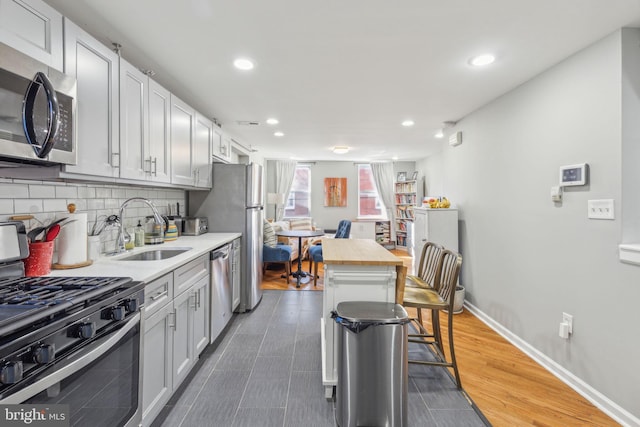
(372, 312)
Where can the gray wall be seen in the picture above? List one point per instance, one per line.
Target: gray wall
(329, 217)
(527, 260)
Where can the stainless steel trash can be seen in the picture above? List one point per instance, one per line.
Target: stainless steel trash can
(372, 364)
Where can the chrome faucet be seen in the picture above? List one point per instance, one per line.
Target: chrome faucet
(122, 235)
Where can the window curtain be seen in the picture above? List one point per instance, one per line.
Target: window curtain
(383, 178)
(285, 172)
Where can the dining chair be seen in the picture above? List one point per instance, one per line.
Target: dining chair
(279, 254)
(437, 299)
(315, 251)
(427, 266)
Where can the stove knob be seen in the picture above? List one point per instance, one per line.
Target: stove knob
(117, 313)
(11, 373)
(44, 354)
(132, 305)
(86, 330)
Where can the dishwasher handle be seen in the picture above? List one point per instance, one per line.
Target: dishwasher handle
(222, 252)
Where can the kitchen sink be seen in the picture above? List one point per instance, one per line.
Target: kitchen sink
(155, 254)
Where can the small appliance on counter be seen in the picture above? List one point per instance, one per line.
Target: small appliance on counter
(195, 226)
(13, 248)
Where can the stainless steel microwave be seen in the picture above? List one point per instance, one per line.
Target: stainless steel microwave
(37, 111)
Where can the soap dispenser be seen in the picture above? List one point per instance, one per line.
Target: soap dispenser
(139, 235)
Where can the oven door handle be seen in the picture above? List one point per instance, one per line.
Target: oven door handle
(74, 366)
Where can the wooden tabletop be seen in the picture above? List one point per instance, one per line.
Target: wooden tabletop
(356, 252)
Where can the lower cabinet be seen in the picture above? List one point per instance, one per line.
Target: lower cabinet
(176, 331)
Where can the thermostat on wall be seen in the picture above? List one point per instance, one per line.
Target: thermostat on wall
(573, 175)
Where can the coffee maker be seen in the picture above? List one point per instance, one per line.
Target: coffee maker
(13, 248)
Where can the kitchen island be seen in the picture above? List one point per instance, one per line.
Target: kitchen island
(355, 270)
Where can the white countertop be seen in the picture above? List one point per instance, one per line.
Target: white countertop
(110, 266)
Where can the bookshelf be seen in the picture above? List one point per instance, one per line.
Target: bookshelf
(406, 199)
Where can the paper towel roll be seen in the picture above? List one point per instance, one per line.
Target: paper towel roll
(72, 240)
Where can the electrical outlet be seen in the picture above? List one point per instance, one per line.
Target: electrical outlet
(568, 319)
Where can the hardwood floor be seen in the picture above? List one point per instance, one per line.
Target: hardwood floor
(509, 387)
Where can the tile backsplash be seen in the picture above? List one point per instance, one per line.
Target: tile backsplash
(47, 201)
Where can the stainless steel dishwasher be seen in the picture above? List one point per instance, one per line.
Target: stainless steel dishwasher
(221, 291)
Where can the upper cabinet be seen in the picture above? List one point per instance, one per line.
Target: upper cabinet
(145, 140)
(159, 133)
(135, 163)
(182, 127)
(34, 28)
(95, 68)
(202, 151)
(222, 148)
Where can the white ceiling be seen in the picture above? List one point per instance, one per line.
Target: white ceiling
(338, 72)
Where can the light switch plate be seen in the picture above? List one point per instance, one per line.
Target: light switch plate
(600, 209)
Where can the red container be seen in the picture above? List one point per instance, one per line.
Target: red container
(38, 263)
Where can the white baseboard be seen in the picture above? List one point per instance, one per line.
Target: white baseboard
(602, 402)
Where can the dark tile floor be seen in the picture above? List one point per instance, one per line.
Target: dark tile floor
(266, 371)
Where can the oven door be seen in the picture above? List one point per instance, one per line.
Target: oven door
(100, 382)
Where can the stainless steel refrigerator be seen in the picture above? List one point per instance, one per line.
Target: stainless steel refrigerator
(234, 204)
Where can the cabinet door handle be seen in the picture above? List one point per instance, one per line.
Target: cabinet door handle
(155, 166)
(159, 295)
(174, 314)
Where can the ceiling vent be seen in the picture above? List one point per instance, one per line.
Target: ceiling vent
(247, 123)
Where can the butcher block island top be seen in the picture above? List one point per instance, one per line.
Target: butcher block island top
(356, 252)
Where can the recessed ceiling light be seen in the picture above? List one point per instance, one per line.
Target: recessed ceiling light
(408, 123)
(482, 60)
(272, 121)
(278, 133)
(439, 134)
(243, 64)
(340, 149)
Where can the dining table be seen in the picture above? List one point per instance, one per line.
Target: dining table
(301, 276)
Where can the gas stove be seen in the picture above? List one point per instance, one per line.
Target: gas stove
(27, 302)
(72, 341)
(43, 320)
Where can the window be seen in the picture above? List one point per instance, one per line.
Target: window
(299, 200)
(369, 203)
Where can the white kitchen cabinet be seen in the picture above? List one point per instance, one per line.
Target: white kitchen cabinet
(176, 331)
(159, 132)
(157, 362)
(222, 148)
(201, 297)
(145, 140)
(183, 348)
(34, 28)
(95, 68)
(135, 163)
(202, 151)
(182, 128)
(157, 352)
(435, 225)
